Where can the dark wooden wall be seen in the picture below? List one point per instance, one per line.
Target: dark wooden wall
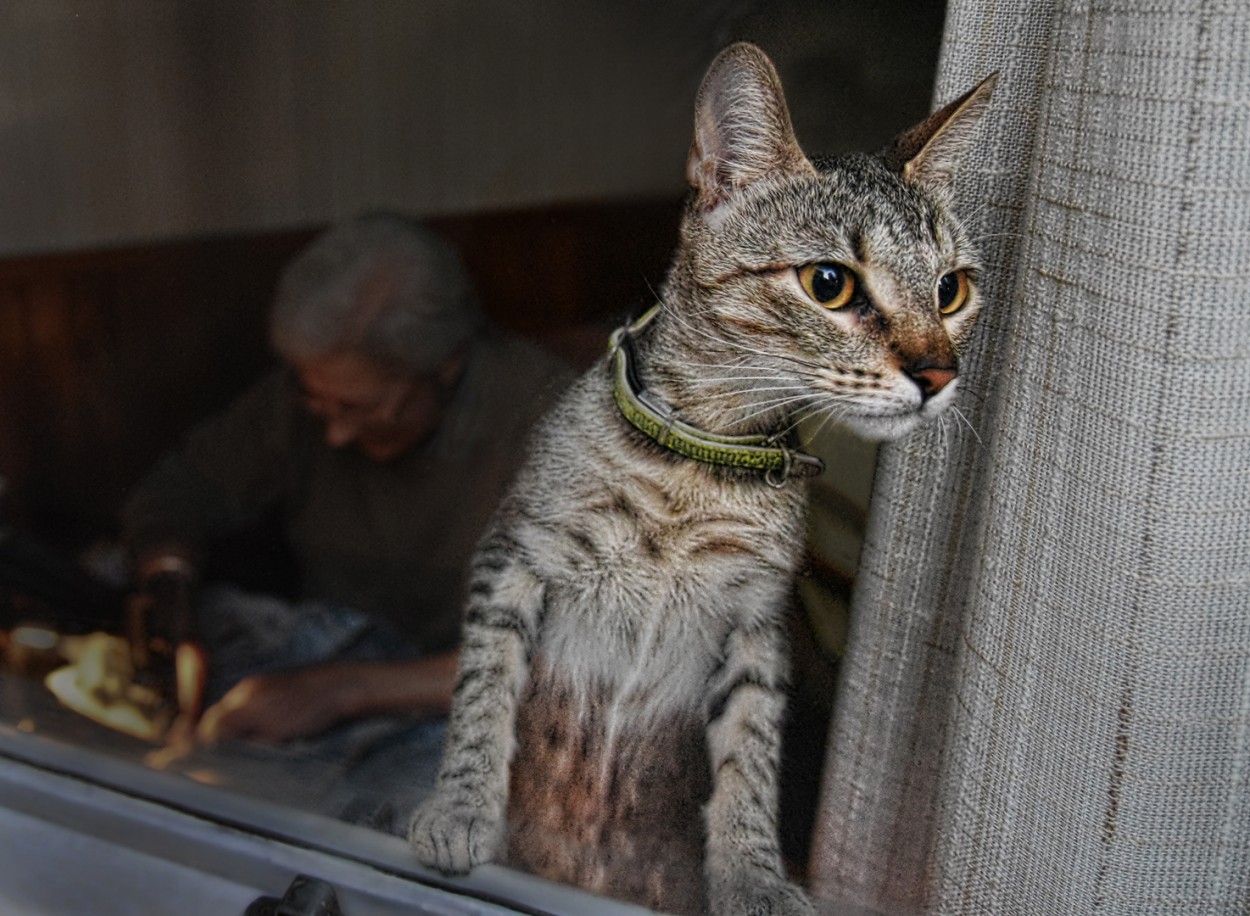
(106, 357)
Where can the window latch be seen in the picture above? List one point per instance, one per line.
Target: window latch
(305, 897)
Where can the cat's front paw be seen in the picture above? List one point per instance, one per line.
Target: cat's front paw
(771, 897)
(453, 837)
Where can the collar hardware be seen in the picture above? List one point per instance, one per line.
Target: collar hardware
(659, 422)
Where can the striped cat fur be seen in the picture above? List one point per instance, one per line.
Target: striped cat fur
(623, 671)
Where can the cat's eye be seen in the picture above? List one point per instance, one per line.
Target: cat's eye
(829, 284)
(952, 292)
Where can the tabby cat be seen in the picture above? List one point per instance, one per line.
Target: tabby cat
(623, 670)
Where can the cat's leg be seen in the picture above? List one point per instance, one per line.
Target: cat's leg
(743, 866)
(463, 823)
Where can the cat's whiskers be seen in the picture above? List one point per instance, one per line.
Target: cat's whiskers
(738, 393)
(950, 438)
(838, 403)
(968, 391)
(959, 415)
(805, 381)
(722, 379)
(830, 405)
(943, 438)
(758, 406)
(773, 405)
(799, 417)
(736, 386)
(785, 357)
(970, 217)
(828, 412)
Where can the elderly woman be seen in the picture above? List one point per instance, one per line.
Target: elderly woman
(382, 445)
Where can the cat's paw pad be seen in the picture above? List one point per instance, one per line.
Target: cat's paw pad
(453, 837)
(774, 897)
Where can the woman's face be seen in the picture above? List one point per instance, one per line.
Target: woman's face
(383, 414)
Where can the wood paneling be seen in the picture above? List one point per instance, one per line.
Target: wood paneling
(106, 357)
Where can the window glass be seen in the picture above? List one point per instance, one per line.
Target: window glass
(165, 165)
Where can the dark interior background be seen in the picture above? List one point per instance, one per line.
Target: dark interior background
(126, 314)
(161, 163)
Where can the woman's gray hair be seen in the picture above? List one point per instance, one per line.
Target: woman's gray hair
(381, 287)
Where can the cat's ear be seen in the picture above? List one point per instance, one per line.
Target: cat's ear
(742, 128)
(929, 153)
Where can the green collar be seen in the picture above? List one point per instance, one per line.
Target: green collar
(659, 422)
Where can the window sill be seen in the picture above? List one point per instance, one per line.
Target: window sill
(101, 835)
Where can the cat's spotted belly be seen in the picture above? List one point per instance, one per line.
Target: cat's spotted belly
(616, 811)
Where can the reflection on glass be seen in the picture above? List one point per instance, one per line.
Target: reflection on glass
(164, 165)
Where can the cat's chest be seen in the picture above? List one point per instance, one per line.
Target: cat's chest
(645, 576)
(642, 540)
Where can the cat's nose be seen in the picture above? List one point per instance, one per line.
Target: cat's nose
(930, 379)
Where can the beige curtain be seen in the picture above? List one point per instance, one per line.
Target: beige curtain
(1045, 702)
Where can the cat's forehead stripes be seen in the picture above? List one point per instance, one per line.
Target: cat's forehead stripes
(857, 213)
(881, 286)
(859, 244)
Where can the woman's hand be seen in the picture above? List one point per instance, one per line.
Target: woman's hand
(278, 707)
(307, 701)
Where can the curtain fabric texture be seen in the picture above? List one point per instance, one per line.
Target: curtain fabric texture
(1045, 702)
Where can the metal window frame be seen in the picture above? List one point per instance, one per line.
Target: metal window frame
(87, 833)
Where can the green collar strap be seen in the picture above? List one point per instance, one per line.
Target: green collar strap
(768, 454)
